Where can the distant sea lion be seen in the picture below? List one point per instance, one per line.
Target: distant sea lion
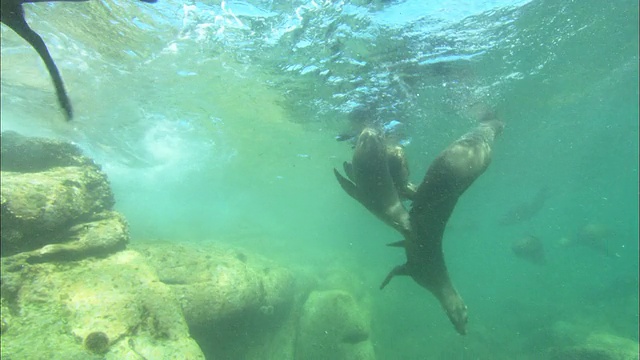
(594, 236)
(12, 14)
(370, 181)
(527, 210)
(450, 174)
(529, 248)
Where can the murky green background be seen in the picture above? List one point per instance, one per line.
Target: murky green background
(217, 121)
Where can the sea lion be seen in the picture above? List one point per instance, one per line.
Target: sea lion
(448, 176)
(595, 236)
(370, 181)
(526, 210)
(399, 170)
(12, 15)
(529, 248)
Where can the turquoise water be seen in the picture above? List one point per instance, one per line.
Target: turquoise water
(218, 122)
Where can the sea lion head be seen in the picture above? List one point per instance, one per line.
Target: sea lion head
(369, 141)
(370, 169)
(494, 124)
(458, 316)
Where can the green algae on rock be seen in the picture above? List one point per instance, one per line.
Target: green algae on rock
(33, 154)
(50, 192)
(37, 208)
(237, 304)
(57, 306)
(107, 234)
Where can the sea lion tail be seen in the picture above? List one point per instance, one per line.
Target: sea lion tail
(398, 270)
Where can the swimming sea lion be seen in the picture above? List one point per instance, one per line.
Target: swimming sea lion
(399, 170)
(12, 14)
(370, 181)
(526, 210)
(595, 236)
(529, 248)
(450, 174)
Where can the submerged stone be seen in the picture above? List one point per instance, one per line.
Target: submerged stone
(332, 325)
(33, 154)
(598, 346)
(38, 207)
(55, 202)
(110, 308)
(216, 285)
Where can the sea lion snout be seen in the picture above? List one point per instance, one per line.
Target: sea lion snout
(369, 140)
(496, 125)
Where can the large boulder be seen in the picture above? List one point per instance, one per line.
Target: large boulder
(37, 208)
(33, 154)
(217, 284)
(47, 188)
(332, 325)
(110, 308)
(598, 346)
(105, 234)
(237, 305)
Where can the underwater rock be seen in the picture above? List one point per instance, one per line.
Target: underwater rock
(237, 305)
(278, 285)
(217, 285)
(529, 248)
(106, 234)
(333, 326)
(110, 308)
(32, 154)
(55, 204)
(37, 208)
(598, 346)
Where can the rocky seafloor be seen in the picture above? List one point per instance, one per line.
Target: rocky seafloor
(74, 287)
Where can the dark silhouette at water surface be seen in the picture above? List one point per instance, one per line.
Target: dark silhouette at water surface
(12, 15)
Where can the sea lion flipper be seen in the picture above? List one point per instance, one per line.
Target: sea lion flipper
(348, 186)
(348, 169)
(398, 270)
(408, 192)
(16, 21)
(401, 243)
